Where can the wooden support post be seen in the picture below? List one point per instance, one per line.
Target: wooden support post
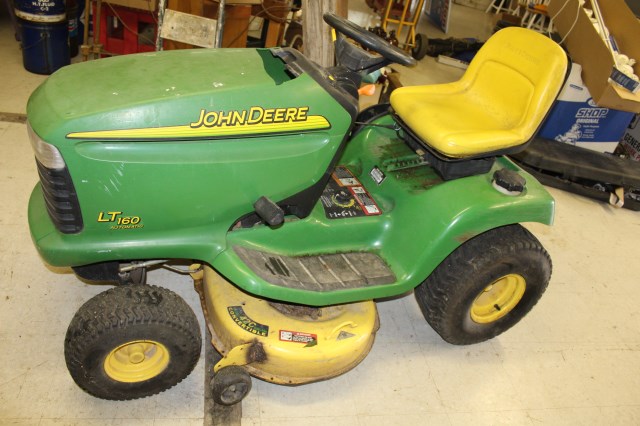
(237, 17)
(274, 34)
(318, 45)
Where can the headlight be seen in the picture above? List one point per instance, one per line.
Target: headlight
(47, 154)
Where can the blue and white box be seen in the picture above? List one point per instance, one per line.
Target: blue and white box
(630, 142)
(576, 119)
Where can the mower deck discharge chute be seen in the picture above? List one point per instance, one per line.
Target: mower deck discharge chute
(295, 210)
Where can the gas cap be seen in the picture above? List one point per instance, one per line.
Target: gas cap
(508, 182)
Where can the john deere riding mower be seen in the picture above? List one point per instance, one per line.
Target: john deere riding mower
(295, 210)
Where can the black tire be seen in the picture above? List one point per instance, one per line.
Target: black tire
(230, 385)
(453, 299)
(420, 49)
(153, 327)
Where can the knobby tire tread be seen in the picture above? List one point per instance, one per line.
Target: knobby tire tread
(113, 310)
(434, 294)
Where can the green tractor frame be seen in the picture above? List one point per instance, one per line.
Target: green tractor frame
(294, 209)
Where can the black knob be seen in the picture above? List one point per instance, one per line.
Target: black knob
(509, 180)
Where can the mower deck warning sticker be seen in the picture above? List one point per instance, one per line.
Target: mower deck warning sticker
(345, 197)
(298, 337)
(239, 317)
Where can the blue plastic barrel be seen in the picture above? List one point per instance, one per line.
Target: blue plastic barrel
(45, 46)
(40, 10)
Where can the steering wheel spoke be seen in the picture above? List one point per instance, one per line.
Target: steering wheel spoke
(357, 59)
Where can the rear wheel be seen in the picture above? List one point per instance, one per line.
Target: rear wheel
(485, 286)
(132, 341)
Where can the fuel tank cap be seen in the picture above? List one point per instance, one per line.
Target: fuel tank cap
(508, 182)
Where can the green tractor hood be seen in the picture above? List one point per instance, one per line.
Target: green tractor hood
(166, 151)
(176, 95)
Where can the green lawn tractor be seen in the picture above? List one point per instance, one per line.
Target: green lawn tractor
(254, 171)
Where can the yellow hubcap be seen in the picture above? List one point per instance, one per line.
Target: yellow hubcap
(136, 361)
(498, 299)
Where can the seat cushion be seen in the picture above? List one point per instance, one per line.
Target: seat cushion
(498, 104)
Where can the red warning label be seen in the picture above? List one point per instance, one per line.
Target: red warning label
(369, 207)
(298, 337)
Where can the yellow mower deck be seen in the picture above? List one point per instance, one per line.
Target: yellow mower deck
(284, 344)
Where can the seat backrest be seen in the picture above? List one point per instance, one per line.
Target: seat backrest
(521, 72)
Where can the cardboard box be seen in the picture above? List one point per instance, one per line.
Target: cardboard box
(587, 48)
(577, 120)
(630, 142)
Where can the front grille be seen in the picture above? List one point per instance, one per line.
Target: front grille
(61, 199)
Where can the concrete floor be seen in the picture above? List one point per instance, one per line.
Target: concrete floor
(574, 360)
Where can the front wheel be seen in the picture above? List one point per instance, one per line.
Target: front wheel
(485, 286)
(230, 385)
(132, 341)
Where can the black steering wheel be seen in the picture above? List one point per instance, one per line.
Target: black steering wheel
(369, 40)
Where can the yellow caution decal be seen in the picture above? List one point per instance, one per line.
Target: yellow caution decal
(220, 124)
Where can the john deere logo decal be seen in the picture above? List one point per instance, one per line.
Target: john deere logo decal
(213, 124)
(253, 116)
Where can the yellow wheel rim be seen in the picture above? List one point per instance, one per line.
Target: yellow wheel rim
(498, 299)
(136, 361)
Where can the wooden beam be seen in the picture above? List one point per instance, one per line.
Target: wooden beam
(237, 19)
(318, 45)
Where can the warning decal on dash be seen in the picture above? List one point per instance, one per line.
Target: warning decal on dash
(363, 198)
(343, 176)
(345, 197)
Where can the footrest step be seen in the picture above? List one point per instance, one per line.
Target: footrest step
(321, 273)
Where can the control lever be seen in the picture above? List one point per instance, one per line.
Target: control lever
(269, 211)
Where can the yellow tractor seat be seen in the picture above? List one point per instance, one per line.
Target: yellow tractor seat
(497, 105)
